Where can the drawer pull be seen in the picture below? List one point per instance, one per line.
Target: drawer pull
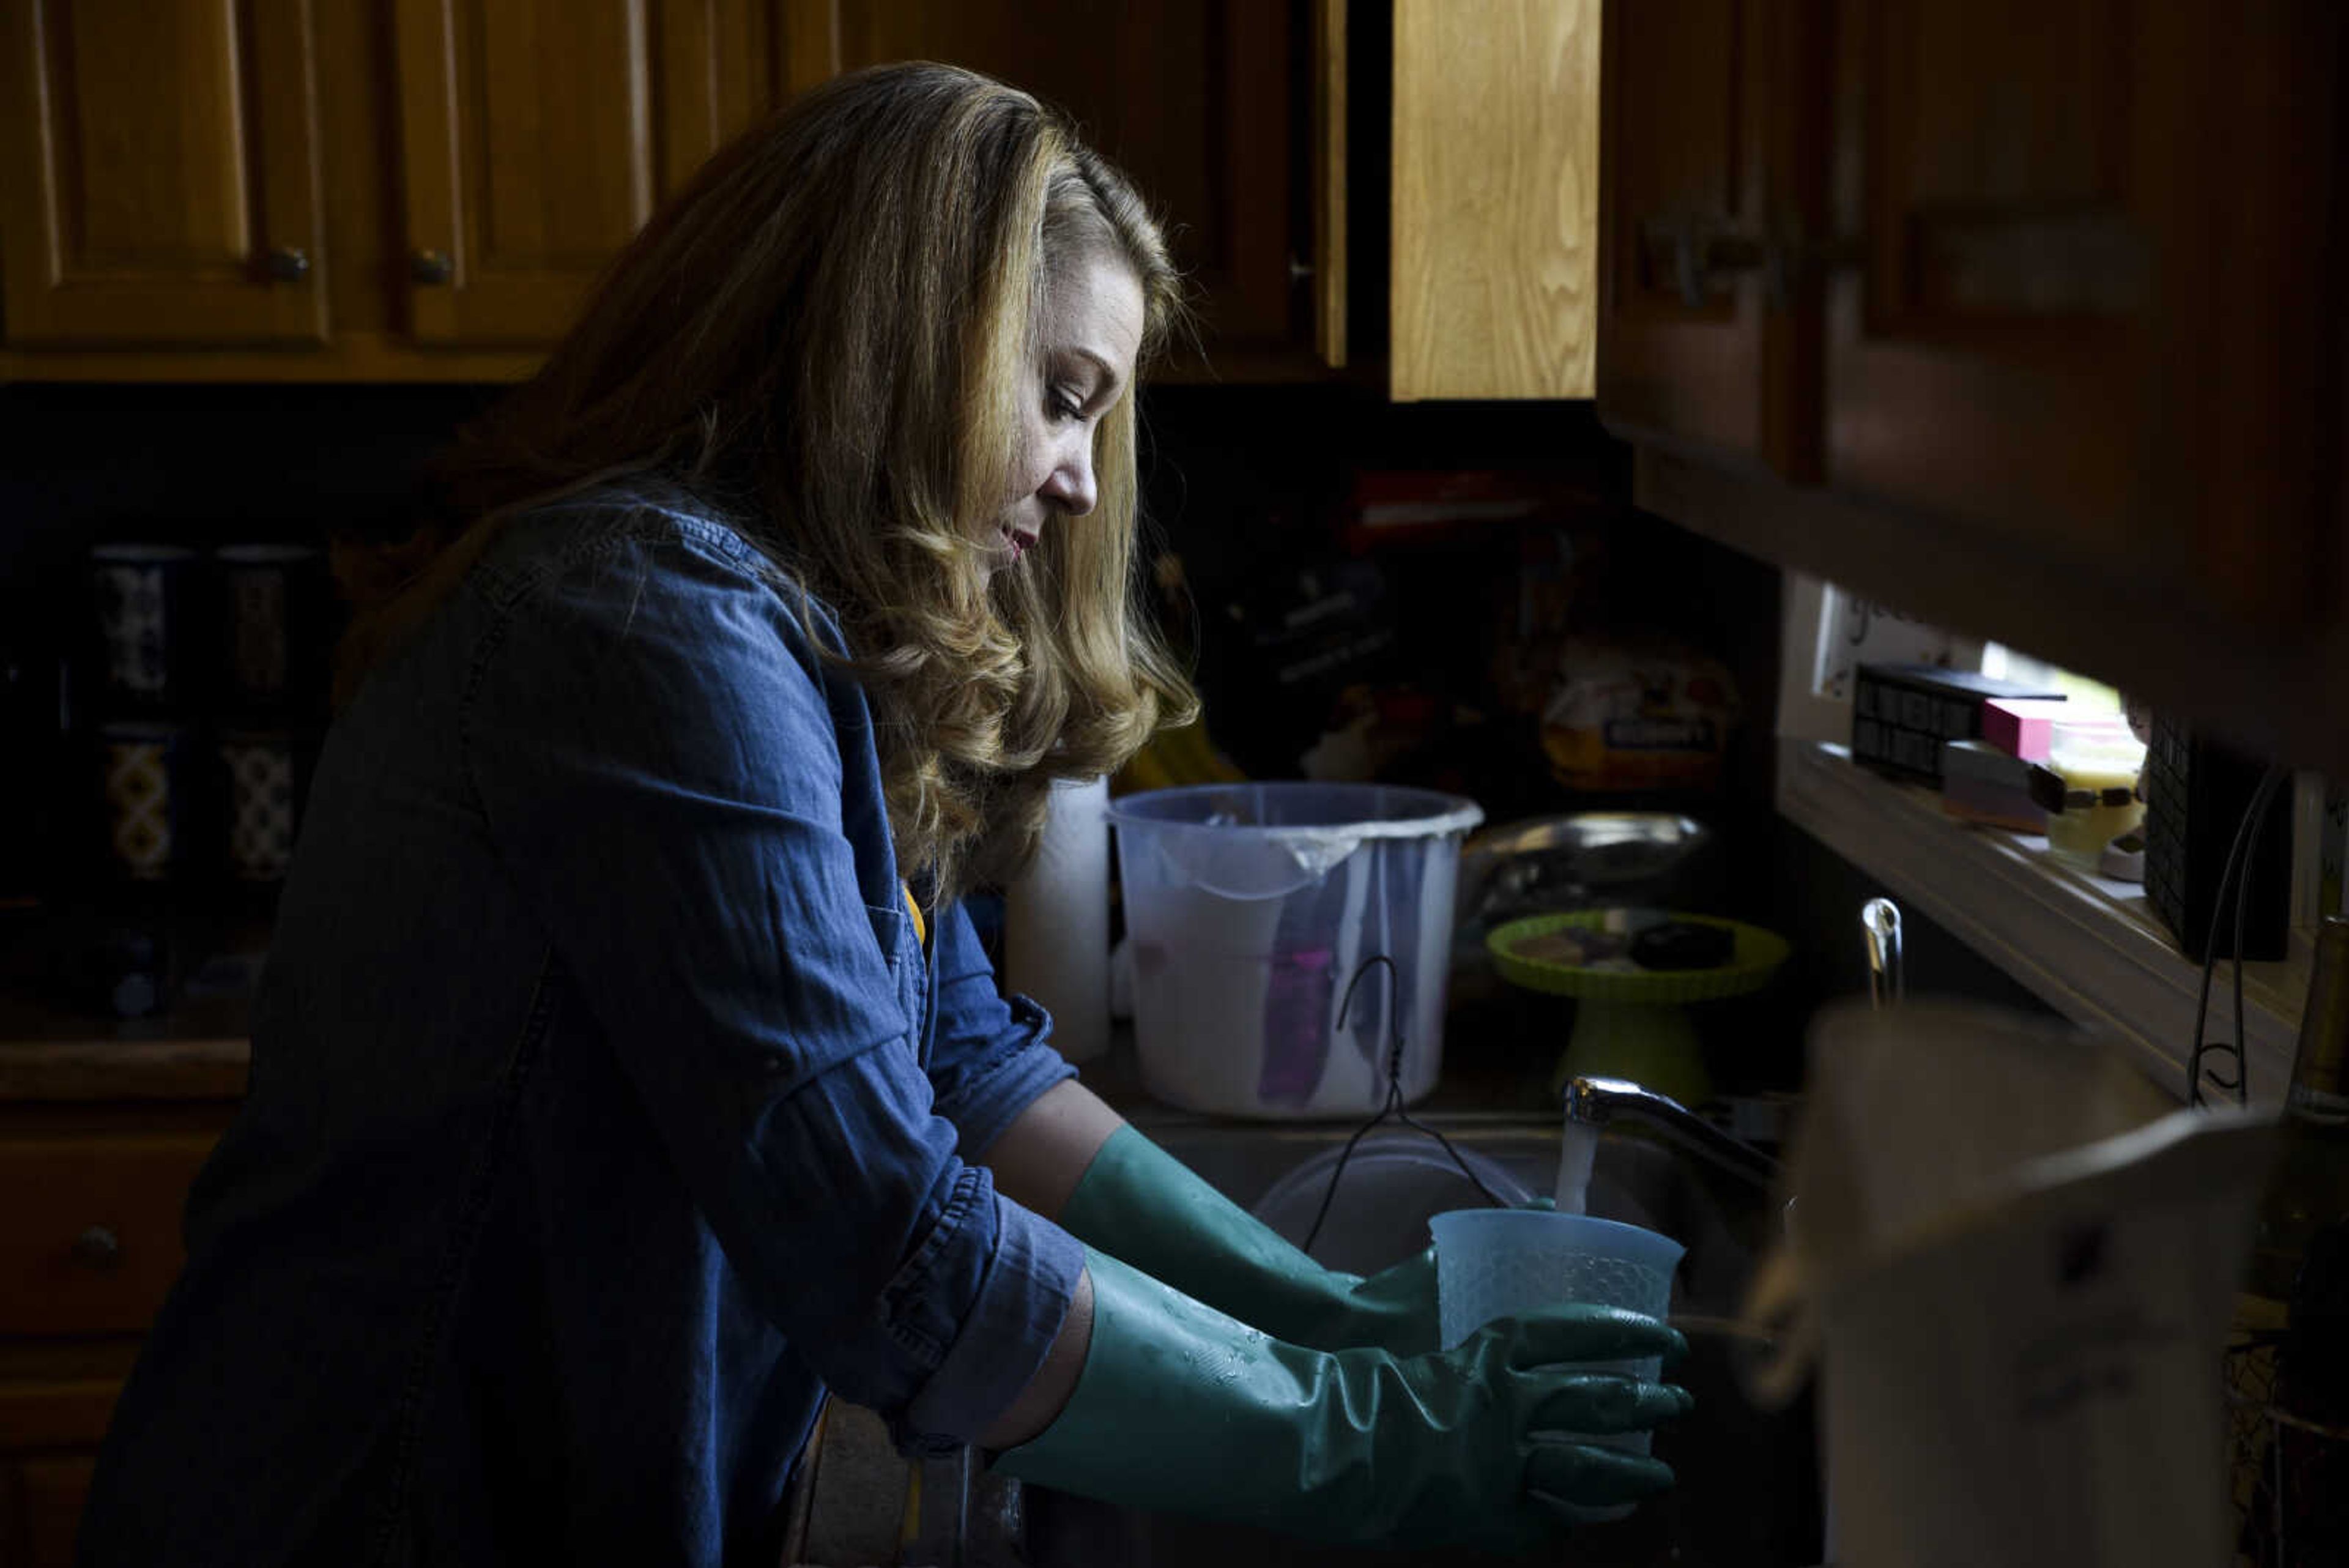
(97, 1248)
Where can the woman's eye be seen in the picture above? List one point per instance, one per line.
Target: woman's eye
(1065, 406)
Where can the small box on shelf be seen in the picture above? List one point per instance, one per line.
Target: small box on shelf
(1982, 784)
(1903, 714)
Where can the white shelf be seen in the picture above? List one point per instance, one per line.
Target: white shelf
(2086, 946)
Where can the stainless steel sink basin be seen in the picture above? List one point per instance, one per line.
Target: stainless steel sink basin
(1748, 1490)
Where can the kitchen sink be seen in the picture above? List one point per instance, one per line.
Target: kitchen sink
(1748, 1490)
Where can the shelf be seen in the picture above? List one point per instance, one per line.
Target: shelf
(55, 1045)
(2088, 947)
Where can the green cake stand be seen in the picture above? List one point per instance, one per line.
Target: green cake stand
(1635, 1024)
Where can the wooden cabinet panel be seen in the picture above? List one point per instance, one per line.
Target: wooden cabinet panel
(1495, 219)
(1197, 100)
(162, 181)
(1713, 124)
(90, 1225)
(2089, 255)
(40, 1509)
(538, 135)
(89, 1239)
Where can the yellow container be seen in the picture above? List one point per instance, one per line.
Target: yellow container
(2099, 769)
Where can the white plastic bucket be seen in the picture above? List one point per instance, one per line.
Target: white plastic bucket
(1250, 908)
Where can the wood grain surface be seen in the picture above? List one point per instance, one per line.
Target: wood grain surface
(1496, 212)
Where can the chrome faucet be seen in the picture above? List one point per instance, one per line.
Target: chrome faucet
(1594, 1102)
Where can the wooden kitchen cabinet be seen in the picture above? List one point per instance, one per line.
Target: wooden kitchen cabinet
(2018, 316)
(1203, 102)
(1493, 221)
(425, 190)
(160, 177)
(1714, 113)
(210, 190)
(536, 137)
(2086, 266)
(397, 190)
(99, 1142)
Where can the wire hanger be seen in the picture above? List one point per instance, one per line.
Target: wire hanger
(1394, 1105)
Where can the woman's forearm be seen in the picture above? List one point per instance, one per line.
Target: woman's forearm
(1037, 1162)
(1041, 1402)
(1040, 1159)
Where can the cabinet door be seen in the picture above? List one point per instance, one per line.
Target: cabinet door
(538, 135)
(1707, 317)
(1496, 199)
(161, 182)
(1193, 99)
(2088, 313)
(38, 1523)
(89, 1241)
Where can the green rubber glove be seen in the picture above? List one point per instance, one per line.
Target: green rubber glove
(1139, 1204)
(1184, 1408)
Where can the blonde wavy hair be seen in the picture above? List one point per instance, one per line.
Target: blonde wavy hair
(828, 339)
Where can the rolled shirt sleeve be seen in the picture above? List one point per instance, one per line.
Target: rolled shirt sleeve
(989, 1057)
(659, 754)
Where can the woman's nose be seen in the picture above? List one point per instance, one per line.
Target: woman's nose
(1070, 486)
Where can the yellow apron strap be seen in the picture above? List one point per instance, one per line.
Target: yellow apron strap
(921, 927)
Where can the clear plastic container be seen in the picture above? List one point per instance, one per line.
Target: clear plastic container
(1249, 908)
(2099, 767)
(1494, 1263)
(1498, 1263)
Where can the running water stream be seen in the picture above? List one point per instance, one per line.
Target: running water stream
(1578, 1148)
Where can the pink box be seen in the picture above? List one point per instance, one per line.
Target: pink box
(2021, 726)
(2025, 726)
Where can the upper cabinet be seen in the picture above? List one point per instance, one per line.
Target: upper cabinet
(158, 179)
(373, 190)
(2018, 316)
(379, 190)
(427, 188)
(1712, 114)
(399, 189)
(1200, 101)
(1494, 224)
(2085, 258)
(536, 136)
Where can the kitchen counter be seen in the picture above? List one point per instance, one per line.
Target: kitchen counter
(51, 1071)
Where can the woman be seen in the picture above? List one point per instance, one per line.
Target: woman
(614, 1094)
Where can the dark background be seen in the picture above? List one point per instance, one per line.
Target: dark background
(1247, 485)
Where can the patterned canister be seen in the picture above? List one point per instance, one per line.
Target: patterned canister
(140, 596)
(270, 600)
(143, 775)
(260, 803)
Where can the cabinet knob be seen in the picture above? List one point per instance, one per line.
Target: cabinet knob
(1298, 271)
(431, 266)
(1697, 253)
(287, 264)
(1795, 259)
(97, 1248)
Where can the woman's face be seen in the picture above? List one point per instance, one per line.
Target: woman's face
(1090, 331)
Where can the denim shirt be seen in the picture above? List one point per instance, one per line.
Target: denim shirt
(605, 1109)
